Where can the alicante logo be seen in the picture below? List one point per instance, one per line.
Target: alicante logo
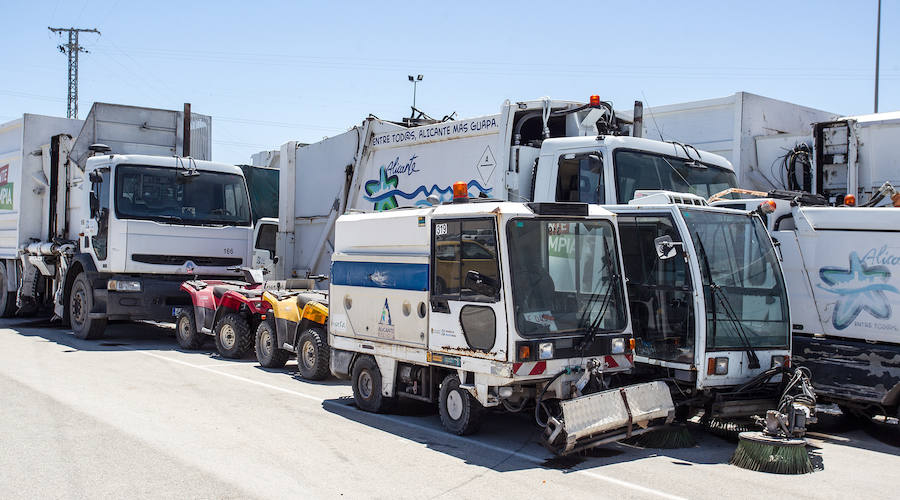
(384, 184)
(385, 314)
(859, 288)
(385, 326)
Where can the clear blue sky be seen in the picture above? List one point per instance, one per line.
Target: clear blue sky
(269, 72)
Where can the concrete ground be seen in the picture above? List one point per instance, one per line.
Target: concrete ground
(134, 416)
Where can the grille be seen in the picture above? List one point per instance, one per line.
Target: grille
(178, 260)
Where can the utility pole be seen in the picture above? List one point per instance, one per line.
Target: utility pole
(72, 49)
(877, 53)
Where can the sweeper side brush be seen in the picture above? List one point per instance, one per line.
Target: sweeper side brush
(667, 437)
(780, 447)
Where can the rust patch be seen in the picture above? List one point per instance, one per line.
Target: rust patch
(475, 353)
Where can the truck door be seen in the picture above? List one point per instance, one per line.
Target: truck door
(466, 310)
(99, 203)
(262, 254)
(659, 291)
(580, 178)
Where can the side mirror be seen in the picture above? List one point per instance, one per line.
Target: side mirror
(94, 204)
(95, 177)
(665, 247)
(481, 284)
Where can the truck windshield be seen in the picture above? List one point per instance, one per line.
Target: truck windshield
(565, 277)
(742, 280)
(169, 195)
(640, 170)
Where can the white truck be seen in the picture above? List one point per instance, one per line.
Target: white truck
(557, 151)
(100, 232)
(491, 305)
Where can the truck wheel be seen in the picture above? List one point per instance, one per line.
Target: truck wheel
(233, 338)
(268, 353)
(186, 330)
(81, 302)
(7, 299)
(367, 386)
(460, 412)
(313, 354)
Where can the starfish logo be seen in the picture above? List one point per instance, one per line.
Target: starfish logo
(859, 288)
(383, 184)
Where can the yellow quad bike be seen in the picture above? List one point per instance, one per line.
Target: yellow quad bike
(296, 324)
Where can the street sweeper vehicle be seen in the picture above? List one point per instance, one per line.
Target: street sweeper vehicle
(842, 268)
(490, 304)
(98, 232)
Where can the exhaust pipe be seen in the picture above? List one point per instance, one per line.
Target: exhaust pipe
(637, 126)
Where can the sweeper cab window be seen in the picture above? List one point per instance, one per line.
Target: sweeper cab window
(464, 260)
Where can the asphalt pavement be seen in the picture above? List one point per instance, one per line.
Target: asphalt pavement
(134, 416)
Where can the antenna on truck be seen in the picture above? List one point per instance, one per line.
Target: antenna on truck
(650, 110)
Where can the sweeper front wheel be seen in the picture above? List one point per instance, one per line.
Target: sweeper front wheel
(762, 453)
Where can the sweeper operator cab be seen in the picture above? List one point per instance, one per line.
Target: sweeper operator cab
(708, 303)
(488, 304)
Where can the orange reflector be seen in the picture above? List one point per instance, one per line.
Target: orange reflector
(711, 366)
(631, 344)
(767, 206)
(524, 352)
(460, 191)
(595, 100)
(262, 317)
(850, 200)
(787, 361)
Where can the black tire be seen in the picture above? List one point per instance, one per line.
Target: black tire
(7, 301)
(186, 330)
(233, 338)
(367, 386)
(81, 302)
(313, 354)
(460, 412)
(268, 353)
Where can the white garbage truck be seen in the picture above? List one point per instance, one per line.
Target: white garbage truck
(107, 225)
(491, 304)
(557, 151)
(842, 268)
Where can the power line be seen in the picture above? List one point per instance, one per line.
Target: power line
(71, 50)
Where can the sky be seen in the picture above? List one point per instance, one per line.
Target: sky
(269, 72)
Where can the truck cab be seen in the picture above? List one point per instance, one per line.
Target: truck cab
(147, 223)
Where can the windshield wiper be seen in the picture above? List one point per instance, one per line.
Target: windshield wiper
(592, 329)
(168, 218)
(729, 311)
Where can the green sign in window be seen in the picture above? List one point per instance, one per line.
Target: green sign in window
(6, 196)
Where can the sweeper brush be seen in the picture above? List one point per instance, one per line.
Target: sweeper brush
(667, 438)
(780, 448)
(759, 452)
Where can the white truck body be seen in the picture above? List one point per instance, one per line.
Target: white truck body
(380, 165)
(133, 226)
(734, 127)
(842, 268)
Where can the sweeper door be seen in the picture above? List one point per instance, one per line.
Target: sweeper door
(465, 288)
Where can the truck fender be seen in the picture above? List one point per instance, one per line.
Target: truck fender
(892, 398)
(81, 263)
(341, 363)
(388, 368)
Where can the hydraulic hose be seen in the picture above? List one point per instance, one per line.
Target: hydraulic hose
(538, 403)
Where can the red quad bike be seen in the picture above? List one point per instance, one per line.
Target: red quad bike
(228, 310)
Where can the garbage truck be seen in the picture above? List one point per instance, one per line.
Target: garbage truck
(105, 224)
(842, 269)
(491, 304)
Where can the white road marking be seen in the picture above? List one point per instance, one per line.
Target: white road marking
(405, 423)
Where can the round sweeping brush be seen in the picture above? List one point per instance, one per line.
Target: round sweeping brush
(759, 452)
(668, 437)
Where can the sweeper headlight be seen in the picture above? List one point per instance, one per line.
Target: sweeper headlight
(781, 361)
(617, 346)
(717, 366)
(545, 350)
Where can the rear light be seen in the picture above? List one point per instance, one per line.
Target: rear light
(595, 100)
(460, 192)
(717, 366)
(849, 200)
